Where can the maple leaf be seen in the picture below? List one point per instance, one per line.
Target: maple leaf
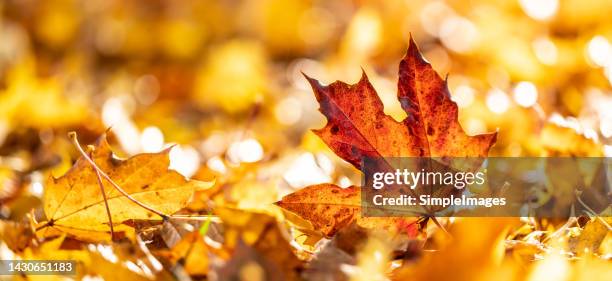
(358, 128)
(330, 208)
(593, 234)
(74, 201)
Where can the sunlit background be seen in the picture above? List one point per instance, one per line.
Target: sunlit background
(222, 81)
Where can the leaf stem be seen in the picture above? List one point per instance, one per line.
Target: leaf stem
(108, 213)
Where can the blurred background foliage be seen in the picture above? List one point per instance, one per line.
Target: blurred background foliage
(223, 80)
(179, 70)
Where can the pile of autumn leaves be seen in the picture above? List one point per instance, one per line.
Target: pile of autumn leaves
(136, 208)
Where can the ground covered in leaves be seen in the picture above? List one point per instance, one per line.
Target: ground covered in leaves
(170, 140)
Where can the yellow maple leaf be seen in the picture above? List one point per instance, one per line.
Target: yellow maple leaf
(74, 202)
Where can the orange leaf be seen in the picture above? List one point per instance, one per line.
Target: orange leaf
(331, 208)
(357, 127)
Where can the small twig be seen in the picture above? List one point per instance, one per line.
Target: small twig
(108, 213)
(73, 137)
(210, 218)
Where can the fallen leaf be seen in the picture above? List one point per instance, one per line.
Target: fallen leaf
(125, 260)
(16, 235)
(592, 235)
(52, 250)
(331, 208)
(328, 207)
(74, 202)
(358, 128)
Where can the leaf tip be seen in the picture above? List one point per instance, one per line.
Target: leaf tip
(494, 137)
(167, 149)
(314, 83)
(364, 76)
(305, 75)
(411, 43)
(413, 50)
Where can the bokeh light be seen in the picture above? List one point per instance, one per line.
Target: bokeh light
(599, 51)
(151, 139)
(545, 50)
(525, 94)
(540, 9)
(497, 101)
(463, 95)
